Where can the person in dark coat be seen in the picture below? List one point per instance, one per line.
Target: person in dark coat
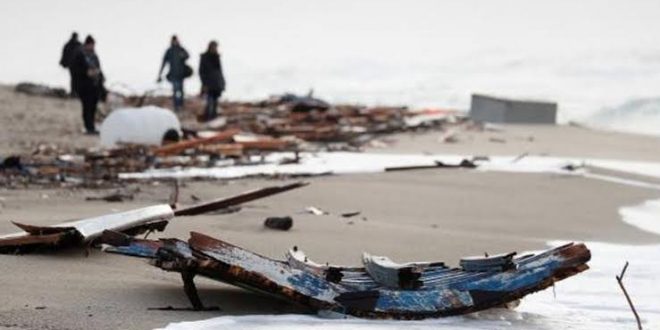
(68, 53)
(213, 81)
(89, 79)
(175, 57)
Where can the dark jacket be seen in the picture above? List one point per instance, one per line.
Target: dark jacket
(175, 57)
(86, 83)
(69, 52)
(210, 72)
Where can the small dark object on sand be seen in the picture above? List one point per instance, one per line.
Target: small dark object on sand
(11, 162)
(41, 90)
(279, 223)
(112, 198)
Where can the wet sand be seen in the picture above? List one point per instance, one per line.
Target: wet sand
(425, 214)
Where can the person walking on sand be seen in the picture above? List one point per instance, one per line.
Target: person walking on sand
(175, 57)
(213, 81)
(69, 51)
(89, 79)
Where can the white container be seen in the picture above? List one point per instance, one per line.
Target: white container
(145, 125)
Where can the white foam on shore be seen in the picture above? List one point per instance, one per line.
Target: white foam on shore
(590, 300)
(651, 169)
(620, 180)
(645, 216)
(350, 163)
(353, 162)
(310, 164)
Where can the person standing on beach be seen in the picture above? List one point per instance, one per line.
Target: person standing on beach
(89, 79)
(69, 51)
(213, 81)
(175, 57)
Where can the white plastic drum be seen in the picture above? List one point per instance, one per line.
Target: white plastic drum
(145, 125)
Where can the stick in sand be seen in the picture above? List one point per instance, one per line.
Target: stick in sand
(619, 279)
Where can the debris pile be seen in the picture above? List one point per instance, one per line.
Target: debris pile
(315, 120)
(286, 123)
(96, 168)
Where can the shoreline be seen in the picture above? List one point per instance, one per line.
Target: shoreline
(410, 215)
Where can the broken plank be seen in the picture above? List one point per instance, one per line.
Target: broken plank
(245, 197)
(175, 148)
(94, 227)
(83, 232)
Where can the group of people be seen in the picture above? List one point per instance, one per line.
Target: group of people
(87, 79)
(210, 74)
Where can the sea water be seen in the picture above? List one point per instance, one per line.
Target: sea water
(600, 60)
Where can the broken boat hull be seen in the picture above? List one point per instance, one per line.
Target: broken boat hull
(444, 291)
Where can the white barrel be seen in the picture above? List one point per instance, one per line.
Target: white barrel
(145, 125)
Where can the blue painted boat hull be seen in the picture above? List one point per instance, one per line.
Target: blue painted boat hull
(444, 291)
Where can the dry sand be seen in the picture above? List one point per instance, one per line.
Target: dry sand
(425, 214)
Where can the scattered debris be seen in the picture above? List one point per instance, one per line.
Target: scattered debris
(286, 123)
(449, 136)
(519, 157)
(226, 210)
(279, 223)
(174, 195)
(381, 289)
(350, 214)
(171, 308)
(573, 167)
(114, 197)
(490, 127)
(465, 163)
(411, 167)
(176, 148)
(497, 140)
(315, 211)
(41, 90)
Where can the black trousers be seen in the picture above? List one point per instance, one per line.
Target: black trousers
(212, 104)
(89, 101)
(74, 93)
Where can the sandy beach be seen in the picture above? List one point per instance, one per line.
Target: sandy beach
(434, 214)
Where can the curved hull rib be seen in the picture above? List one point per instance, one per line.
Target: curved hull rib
(443, 292)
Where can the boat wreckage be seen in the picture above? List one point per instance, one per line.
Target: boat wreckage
(134, 222)
(379, 289)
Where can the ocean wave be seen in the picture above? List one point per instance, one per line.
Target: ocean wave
(640, 116)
